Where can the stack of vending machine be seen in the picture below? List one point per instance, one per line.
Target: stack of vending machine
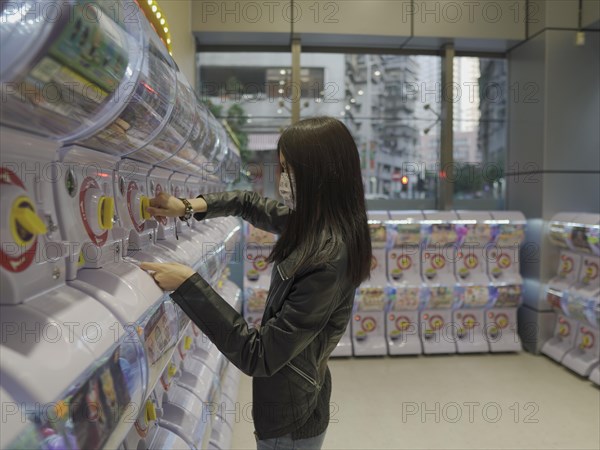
(368, 320)
(96, 120)
(474, 232)
(406, 289)
(503, 262)
(257, 272)
(574, 293)
(438, 257)
(442, 282)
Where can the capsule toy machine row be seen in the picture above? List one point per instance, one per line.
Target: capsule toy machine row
(118, 283)
(257, 272)
(368, 318)
(59, 344)
(474, 232)
(582, 303)
(558, 287)
(438, 257)
(406, 289)
(508, 229)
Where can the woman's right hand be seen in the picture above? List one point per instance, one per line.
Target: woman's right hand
(165, 205)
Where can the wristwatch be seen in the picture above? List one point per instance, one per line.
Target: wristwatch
(189, 211)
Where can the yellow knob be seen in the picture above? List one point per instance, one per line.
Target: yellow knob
(586, 341)
(187, 342)
(81, 260)
(25, 224)
(172, 370)
(106, 211)
(150, 411)
(144, 204)
(61, 408)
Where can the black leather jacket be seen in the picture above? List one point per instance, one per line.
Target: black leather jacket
(306, 315)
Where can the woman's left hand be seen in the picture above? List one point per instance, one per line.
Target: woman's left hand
(168, 276)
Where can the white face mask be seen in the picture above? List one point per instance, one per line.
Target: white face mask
(286, 185)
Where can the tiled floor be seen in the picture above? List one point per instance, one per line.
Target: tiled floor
(512, 401)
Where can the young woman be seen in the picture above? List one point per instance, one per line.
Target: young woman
(322, 255)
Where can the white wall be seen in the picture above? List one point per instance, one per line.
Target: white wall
(179, 17)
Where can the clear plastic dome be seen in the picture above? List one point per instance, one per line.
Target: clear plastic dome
(147, 111)
(176, 132)
(66, 67)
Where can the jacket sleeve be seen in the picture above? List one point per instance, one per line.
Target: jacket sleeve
(262, 352)
(263, 213)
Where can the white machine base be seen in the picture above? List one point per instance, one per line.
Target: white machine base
(406, 341)
(507, 339)
(558, 346)
(442, 339)
(470, 338)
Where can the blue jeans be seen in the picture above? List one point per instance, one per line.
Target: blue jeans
(286, 443)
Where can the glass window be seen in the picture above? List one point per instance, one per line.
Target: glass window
(249, 91)
(390, 104)
(480, 132)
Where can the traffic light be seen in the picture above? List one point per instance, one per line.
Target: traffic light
(404, 182)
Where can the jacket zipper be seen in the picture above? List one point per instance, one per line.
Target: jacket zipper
(281, 273)
(304, 375)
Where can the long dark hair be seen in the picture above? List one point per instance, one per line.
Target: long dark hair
(330, 199)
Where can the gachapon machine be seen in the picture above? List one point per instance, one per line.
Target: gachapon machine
(438, 257)
(583, 299)
(474, 234)
(508, 231)
(406, 290)
(557, 291)
(257, 272)
(585, 355)
(368, 320)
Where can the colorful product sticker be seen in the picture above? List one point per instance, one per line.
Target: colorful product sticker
(479, 234)
(589, 272)
(256, 299)
(407, 235)
(442, 234)
(559, 234)
(576, 307)
(475, 296)
(579, 239)
(593, 238)
(145, 113)
(86, 416)
(508, 296)
(554, 299)
(157, 334)
(378, 235)
(509, 235)
(371, 298)
(94, 46)
(566, 265)
(441, 297)
(258, 238)
(406, 299)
